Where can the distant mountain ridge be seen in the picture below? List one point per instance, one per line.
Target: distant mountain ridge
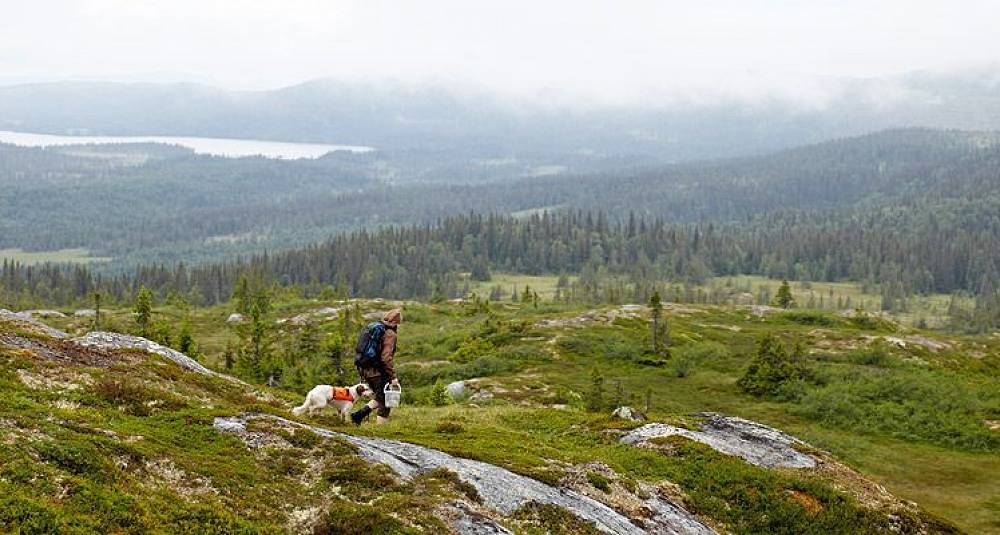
(434, 118)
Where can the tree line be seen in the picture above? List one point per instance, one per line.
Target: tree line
(635, 255)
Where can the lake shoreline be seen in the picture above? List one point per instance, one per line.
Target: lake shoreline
(224, 147)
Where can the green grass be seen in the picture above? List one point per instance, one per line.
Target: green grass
(911, 419)
(77, 256)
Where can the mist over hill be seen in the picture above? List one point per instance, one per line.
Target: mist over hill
(481, 123)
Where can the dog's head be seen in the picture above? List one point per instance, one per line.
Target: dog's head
(361, 390)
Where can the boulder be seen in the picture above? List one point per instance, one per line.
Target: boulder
(753, 442)
(85, 313)
(456, 389)
(628, 413)
(235, 317)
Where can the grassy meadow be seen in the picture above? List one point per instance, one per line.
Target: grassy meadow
(914, 410)
(75, 256)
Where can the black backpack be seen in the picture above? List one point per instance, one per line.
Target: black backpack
(368, 352)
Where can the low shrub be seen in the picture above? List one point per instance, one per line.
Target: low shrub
(131, 395)
(471, 349)
(599, 482)
(920, 405)
(802, 317)
(877, 354)
(555, 519)
(449, 427)
(772, 366)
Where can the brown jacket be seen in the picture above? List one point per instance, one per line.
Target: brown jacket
(388, 350)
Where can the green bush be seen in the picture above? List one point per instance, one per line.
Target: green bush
(471, 349)
(356, 519)
(922, 405)
(131, 395)
(877, 354)
(802, 317)
(771, 367)
(599, 482)
(438, 395)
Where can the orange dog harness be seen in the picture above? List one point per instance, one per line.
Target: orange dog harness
(342, 394)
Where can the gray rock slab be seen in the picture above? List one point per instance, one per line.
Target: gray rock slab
(499, 488)
(755, 443)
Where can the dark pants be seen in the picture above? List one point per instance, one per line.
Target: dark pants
(377, 384)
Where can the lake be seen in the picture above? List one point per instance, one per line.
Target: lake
(230, 148)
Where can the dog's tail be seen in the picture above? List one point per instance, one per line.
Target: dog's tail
(297, 411)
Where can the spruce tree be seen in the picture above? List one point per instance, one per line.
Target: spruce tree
(144, 312)
(784, 298)
(595, 398)
(656, 311)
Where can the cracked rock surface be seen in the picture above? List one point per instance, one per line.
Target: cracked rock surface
(28, 319)
(499, 488)
(755, 443)
(106, 340)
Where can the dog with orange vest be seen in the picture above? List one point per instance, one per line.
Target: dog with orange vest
(340, 398)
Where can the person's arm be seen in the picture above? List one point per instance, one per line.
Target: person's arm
(388, 348)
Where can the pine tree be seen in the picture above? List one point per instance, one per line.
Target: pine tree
(439, 395)
(143, 309)
(185, 340)
(784, 298)
(595, 398)
(656, 311)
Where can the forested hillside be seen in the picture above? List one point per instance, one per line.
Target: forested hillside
(166, 204)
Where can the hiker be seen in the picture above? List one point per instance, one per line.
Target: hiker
(376, 346)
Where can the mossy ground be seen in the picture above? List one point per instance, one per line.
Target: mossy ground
(911, 418)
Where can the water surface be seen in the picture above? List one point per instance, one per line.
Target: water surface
(231, 148)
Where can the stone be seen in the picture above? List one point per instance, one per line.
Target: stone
(456, 389)
(44, 313)
(84, 313)
(628, 413)
(235, 317)
(109, 340)
(499, 488)
(755, 443)
(31, 323)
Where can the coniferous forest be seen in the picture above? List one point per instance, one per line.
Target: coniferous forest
(910, 211)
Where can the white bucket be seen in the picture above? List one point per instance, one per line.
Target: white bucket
(392, 395)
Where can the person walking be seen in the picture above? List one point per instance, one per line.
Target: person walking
(376, 347)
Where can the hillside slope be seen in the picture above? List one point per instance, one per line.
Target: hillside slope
(106, 438)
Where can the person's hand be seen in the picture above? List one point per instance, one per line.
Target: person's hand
(395, 382)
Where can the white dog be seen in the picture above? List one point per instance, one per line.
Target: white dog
(341, 399)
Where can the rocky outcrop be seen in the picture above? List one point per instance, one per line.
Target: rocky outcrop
(44, 313)
(26, 320)
(107, 340)
(499, 489)
(755, 443)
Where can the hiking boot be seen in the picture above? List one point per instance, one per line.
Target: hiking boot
(359, 416)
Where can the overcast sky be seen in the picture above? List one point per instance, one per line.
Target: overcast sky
(605, 51)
